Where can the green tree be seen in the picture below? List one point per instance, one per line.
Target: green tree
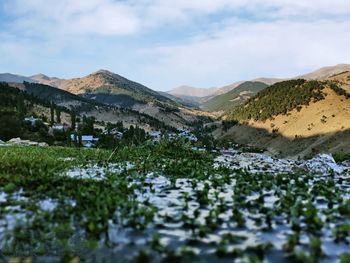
(52, 113)
(58, 115)
(11, 125)
(73, 120)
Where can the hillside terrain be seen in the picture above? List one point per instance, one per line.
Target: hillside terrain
(326, 72)
(111, 98)
(211, 98)
(234, 97)
(295, 118)
(112, 89)
(192, 92)
(107, 83)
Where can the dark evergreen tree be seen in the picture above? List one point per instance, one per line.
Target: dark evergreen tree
(73, 120)
(52, 113)
(58, 115)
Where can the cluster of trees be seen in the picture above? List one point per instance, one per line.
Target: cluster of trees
(15, 105)
(279, 98)
(132, 136)
(227, 124)
(335, 86)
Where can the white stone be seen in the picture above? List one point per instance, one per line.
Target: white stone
(323, 164)
(19, 141)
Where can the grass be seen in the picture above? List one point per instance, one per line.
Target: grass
(90, 217)
(341, 157)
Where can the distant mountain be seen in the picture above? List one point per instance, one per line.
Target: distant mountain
(321, 73)
(110, 97)
(326, 72)
(12, 78)
(269, 81)
(51, 81)
(109, 88)
(192, 91)
(191, 102)
(234, 97)
(106, 87)
(207, 93)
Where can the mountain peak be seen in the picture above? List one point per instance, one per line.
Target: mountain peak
(40, 76)
(103, 71)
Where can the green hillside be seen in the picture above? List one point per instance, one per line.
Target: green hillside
(279, 98)
(234, 97)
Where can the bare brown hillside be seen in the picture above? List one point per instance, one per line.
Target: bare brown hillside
(322, 126)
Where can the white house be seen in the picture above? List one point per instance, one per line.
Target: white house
(155, 136)
(88, 141)
(60, 126)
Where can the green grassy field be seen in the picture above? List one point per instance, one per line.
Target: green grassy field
(164, 203)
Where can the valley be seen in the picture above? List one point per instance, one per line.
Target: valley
(101, 167)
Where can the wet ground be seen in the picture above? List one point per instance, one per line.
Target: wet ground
(275, 211)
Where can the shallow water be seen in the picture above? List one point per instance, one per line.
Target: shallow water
(199, 217)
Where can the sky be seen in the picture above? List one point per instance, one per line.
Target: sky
(165, 43)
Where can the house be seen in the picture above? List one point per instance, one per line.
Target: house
(88, 141)
(155, 136)
(117, 134)
(60, 126)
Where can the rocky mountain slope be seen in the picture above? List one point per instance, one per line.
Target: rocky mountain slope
(103, 82)
(110, 98)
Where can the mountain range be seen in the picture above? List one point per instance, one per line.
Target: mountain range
(222, 98)
(104, 89)
(206, 92)
(300, 115)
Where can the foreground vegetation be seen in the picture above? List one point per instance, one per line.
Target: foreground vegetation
(164, 202)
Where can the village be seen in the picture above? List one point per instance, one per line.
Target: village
(85, 134)
(233, 156)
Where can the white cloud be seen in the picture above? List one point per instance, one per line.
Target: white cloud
(248, 50)
(66, 17)
(253, 38)
(113, 17)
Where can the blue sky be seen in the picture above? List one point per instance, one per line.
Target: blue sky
(164, 43)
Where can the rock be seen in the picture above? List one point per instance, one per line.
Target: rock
(19, 141)
(15, 140)
(322, 164)
(2, 142)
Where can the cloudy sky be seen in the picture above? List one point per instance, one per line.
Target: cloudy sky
(167, 43)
